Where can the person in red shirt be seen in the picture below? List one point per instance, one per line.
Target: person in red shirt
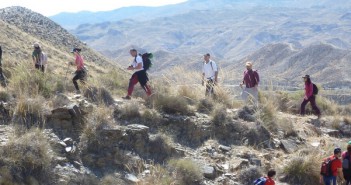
(336, 168)
(309, 97)
(80, 73)
(270, 175)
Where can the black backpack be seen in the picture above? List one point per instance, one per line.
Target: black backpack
(147, 60)
(315, 89)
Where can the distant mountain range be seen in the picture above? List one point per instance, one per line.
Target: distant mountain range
(231, 30)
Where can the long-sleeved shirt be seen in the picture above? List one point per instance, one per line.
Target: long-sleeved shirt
(308, 89)
(251, 78)
(79, 62)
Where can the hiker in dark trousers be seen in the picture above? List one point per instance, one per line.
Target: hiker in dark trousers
(80, 73)
(139, 75)
(37, 57)
(346, 164)
(250, 80)
(309, 97)
(209, 75)
(335, 168)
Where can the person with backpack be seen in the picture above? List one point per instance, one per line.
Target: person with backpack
(332, 168)
(250, 80)
(346, 164)
(268, 180)
(209, 75)
(139, 75)
(311, 91)
(80, 73)
(39, 57)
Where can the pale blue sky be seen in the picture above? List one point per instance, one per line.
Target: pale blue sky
(52, 7)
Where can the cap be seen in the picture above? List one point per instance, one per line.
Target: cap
(207, 54)
(133, 49)
(337, 150)
(248, 64)
(306, 76)
(36, 45)
(76, 49)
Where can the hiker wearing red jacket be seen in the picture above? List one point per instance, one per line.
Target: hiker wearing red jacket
(309, 97)
(335, 167)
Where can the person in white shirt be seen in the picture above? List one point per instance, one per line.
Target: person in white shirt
(209, 75)
(139, 75)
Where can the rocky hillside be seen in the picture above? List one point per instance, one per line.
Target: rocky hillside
(46, 32)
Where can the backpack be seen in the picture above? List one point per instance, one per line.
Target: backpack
(315, 89)
(43, 58)
(147, 60)
(260, 181)
(326, 167)
(346, 162)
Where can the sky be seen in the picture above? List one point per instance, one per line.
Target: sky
(53, 7)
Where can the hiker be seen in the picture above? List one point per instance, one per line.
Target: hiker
(335, 169)
(250, 80)
(80, 73)
(346, 164)
(209, 75)
(268, 180)
(139, 75)
(309, 97)
(39, 57)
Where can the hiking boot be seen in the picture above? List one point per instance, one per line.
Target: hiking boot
(319, 116)
(126, 98)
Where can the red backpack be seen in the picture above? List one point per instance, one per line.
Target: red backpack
(326, 169)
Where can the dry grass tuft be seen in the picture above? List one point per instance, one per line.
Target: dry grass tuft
(303, 169)
(99, 119)
(186, 171)
(129, 110)
(29, 111)
(99, 95)
(26, 158)
(219, 114)
(159, 176)
(172, 104)
(248, 175)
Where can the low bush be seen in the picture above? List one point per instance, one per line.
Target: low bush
(187, 172)
(303, 169)
(27, 158)
(247, 176)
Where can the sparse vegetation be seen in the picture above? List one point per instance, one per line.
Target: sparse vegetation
(187, 172)
(26, 159)
(303, 169)
(250, 174)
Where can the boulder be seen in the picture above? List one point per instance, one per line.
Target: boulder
(289, 145)
(209, 172)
